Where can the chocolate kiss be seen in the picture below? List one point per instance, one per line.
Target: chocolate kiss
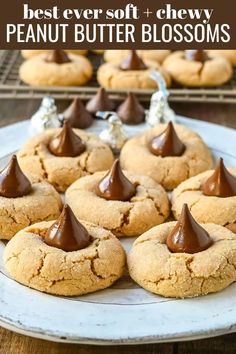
(221, 183)
(131, 111)
(67, 233)
(196, 55)
(100, 102)
(13, 182)
(77, 115)
(67, 143)
(115, 186)
(133, 62)
(58, 57)
(188, 236)
(167, 143)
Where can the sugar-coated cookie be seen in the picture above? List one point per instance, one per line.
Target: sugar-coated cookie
(147, 206)
(170, 170)
(24, 200)
(32, 262)
(205, 208)
(43, 155)
(155, 268)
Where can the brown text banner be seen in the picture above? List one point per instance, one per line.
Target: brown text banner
(90, 24)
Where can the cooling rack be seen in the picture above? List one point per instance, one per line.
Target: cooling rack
(12, 87)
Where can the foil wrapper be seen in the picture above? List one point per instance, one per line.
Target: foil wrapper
(160, 111)
(114, 135)
(46, 117)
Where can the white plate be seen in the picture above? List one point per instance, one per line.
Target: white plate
(124, 313)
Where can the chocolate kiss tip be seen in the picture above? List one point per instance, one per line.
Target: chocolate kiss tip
(188, 236)
(221, 184)
(57, 56)
(67, 233)
(13, 182)
(115, 185)
(133, 62)
(131, 111)
(100, 102)
(77, 115)
(167, 143)
(67, 143)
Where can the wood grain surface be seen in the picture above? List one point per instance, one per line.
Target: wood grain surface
(11, 343)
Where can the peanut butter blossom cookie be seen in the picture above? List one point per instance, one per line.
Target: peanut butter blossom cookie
(196, 68)
(65, 257)
(131, 73)
(31, 53)
(184, 259)
(157, 55)
(24, 201)
(56, 68)
(211, 196)
(61, 156)
(122, 202)
(169, 154)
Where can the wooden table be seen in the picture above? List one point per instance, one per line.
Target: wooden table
(11, 343)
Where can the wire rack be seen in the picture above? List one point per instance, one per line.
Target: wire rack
(12, 87)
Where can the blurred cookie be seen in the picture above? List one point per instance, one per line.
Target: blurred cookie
(157, 55)
(27, 53)
(131, 73)
(196, 68)
(56, 69)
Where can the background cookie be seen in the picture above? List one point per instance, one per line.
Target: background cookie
(110, 76)
(36, 71)
(157, 55)
(27, 53)
(213, 72)
(228, 54)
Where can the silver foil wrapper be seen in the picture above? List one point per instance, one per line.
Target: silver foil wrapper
(46, 117)
(114, 135)
(160, 111)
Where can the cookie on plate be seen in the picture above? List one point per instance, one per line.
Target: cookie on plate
(196, 68)
(184, 259)
(24, 201)
(65, 257)
(61, 156)
(29, 53)
(169, 154)
(157, 55)
(125, 203)
(211, 197)
(131, 73)
(56, 69)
